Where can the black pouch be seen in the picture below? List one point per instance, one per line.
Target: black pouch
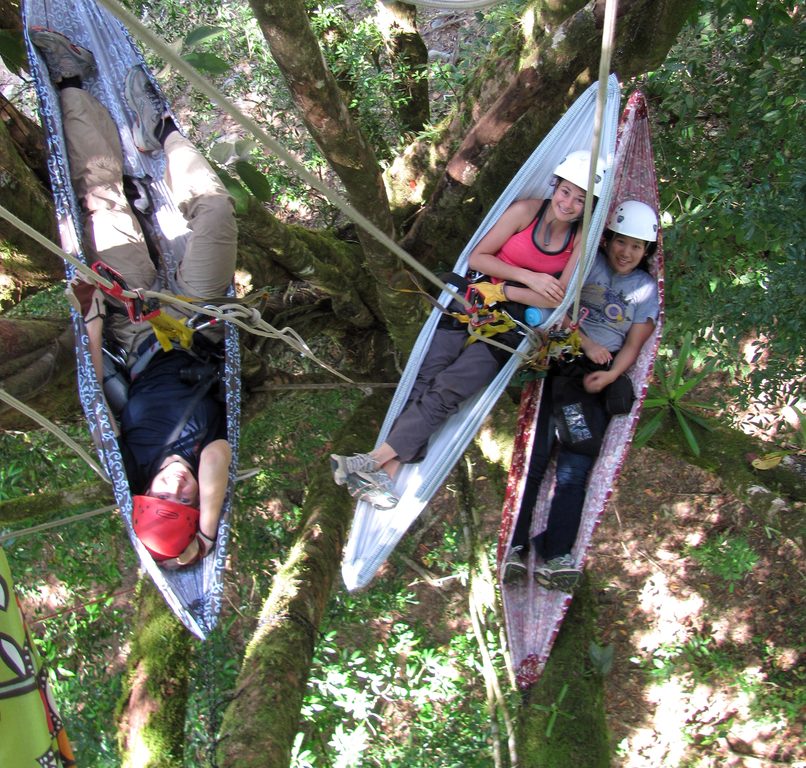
(576, 413)
(619, 396)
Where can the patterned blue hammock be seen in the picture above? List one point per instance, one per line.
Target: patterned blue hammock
(193, 593)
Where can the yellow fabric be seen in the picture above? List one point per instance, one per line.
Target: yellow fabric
(493, 293)
(31, 731)
(168, 329)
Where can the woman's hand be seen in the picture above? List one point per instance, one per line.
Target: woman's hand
(546, 286)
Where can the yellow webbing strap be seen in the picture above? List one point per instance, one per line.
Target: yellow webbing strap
(168, 329)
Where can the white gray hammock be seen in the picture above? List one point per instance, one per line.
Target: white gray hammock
(194, 593)
(533, 615)
(374, 533)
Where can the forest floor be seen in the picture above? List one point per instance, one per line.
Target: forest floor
(703, 605)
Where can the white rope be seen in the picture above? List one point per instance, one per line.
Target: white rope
(56, 523)
(247, 318)
(51, 427)
(608, 34)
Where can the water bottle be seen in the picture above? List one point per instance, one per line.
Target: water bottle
(533, 316)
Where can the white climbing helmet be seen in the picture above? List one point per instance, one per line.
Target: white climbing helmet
(575, 167)
(634, 219)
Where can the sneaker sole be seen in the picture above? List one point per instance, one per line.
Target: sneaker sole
(564, 580)
(339, 474)
(137, 133)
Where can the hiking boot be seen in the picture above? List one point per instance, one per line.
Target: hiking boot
(559, 573)
(373, 487)
(346, 465)
(63, 58)
(149, 110)
(514, 569)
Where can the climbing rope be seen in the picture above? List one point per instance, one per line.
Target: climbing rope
(608, 35)
(56, 523)
(53, 429)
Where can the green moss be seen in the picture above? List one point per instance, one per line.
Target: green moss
(578, 735)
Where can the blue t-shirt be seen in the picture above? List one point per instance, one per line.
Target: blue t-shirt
(158, 401)
(614, 302)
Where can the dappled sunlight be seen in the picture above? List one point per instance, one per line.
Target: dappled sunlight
(701, 644)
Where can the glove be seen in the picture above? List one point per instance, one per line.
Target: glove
(86, 298)
(492, 293)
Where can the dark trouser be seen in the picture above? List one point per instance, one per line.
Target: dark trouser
(572, 473)
(450, 373)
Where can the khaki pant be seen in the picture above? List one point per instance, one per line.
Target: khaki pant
(111, 231)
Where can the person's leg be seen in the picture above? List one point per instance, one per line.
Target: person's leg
(209, 262)
(111, 232)
(566, 505)
(538, 462)
(474, 368)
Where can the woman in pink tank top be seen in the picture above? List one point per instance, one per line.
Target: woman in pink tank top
(533, 241)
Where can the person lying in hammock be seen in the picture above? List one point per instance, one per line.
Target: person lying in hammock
(533, 241)
(579, 398)
(172, 429)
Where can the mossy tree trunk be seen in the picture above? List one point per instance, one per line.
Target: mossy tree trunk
(562, 721)
(152, 707)
(259, 726)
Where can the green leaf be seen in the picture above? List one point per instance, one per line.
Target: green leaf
(207, 62)
(693, 445)
(645, 432)
(256, 181)
(203, 34)
(239, 194)
(222, 151)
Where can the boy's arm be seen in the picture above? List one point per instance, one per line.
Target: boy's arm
(624, 358)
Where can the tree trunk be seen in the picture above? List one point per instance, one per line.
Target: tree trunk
(153, 704)
(276, 665)
(561, 723)
(45, 506)
(409, 55)
(25, 265)
(295, 49)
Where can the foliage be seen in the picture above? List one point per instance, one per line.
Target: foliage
(49, 302)
(729, 105)
(729, 557)
(669, 394)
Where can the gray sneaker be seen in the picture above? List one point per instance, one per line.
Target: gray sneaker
(342, 466)
(373, 487)
(559, 573)
(63, 57)
(148, 107)
(514, 569)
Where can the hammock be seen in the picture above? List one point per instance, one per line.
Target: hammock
(533, 614)
(374, 533)
(193, 593)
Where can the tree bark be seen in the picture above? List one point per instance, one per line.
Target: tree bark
(276, 665)
(314, 90)
(153, 705)
(24, 264)
(409, 55)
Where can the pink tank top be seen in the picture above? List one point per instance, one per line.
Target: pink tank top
(521, 250)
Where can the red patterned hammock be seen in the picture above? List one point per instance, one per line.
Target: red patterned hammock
(533, 614)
